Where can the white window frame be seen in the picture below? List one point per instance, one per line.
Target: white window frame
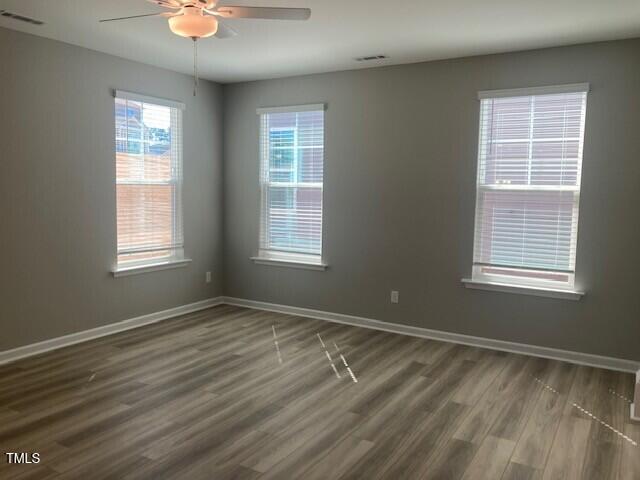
(283, 258)
(177, 257)
(508, 280)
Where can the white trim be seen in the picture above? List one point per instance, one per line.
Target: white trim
(137, 97)
(289, 263)
(178, 248)
(523, 92)
(482, 342)
(151, 267)
(86, 335)
(523, 289)
(314, 107)
(635, 412)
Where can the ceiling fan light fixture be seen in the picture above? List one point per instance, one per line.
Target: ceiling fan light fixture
(193, 24)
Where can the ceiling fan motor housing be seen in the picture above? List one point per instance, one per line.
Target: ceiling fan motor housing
(192, 23)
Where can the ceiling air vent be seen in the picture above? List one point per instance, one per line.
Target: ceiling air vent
(371, 57)
(20, 18)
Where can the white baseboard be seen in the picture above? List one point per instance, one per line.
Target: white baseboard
(610, 363)
(521, 348)
(635, 406)
(59, 342)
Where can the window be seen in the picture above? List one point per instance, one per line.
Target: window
(528, 187)
(291, 174)
(148, 180)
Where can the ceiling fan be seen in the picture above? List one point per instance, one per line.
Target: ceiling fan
(202, 18)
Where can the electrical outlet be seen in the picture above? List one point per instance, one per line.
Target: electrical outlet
(395, 296)
(207, 277)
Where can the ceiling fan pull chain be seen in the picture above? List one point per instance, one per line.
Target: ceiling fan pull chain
(195, 65)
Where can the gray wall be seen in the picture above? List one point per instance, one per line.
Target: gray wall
(399, 195)
(57, 193)
(401, 145)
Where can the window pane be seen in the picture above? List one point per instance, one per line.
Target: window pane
(509, 119)
(292, 145)
(529, 165)
(144, 256)
(506, 163)
(282, 158)
(557, 116)
(311, 165)
(280, 137)
(145, 216)
(143, 142)
(555, 162)
(531, 140)
(526, 229)
(129, 131)
(148, 178)
(295, 219)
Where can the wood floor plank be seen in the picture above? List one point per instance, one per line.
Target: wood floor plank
(452, 461)
(341, 457)
(485, 412)
(235, 453)
(130, 438)
(397, 457)
(536, 440)
(7, 414)
(604, 445)
(516, 471)
(515, 412)
(401, 411)
(290, 439)
(211, 425)
(443, 387)
(55, 425)
(376, 398)
(602, 455)
(312, 451)
(29, 472)
(630, 455)
(197, 450)
(491, 459)
(206, 471)
(568, 450)
(210, 395)
(46, 449)
(488, 366)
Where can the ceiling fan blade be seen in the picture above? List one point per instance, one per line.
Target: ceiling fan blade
(167, 3)
(162, 14)
(225, 31)
(270, 13)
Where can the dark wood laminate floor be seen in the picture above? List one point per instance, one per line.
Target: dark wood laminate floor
(234, 393)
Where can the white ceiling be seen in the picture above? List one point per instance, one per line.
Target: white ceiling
(338, 31)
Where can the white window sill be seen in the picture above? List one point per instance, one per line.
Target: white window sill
(150, 267)
(523, 289)
(278, 262)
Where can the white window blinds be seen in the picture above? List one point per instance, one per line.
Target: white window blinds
(148, 179)
(291, 176)
(528, 190)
